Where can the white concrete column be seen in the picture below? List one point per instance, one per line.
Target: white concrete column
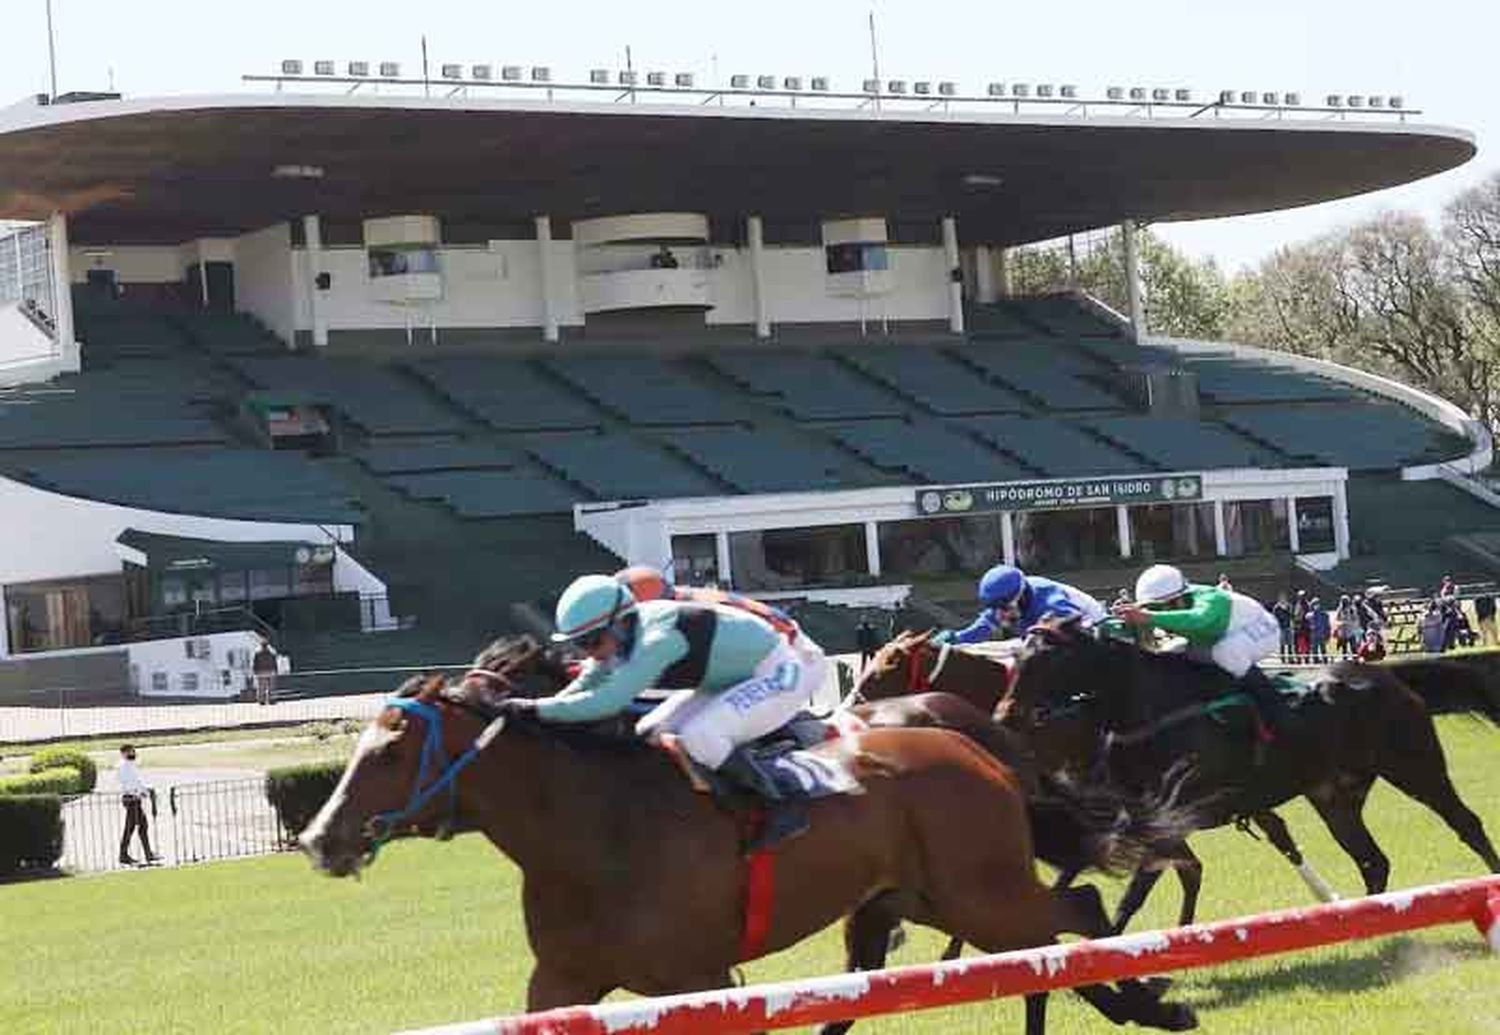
(1341, 522)
(755, 236)
(544, 257)
(62, 287)
(872, 548)
(1002, 271)
(985, 289)
(1007, 538)
(1294, 538)
(1133, 280)
(721, 552)
(312, 240)
(203, 276)
(1122, 530)
(955, 282)
(1221, 531)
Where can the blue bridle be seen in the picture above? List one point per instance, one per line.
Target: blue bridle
(382, 825)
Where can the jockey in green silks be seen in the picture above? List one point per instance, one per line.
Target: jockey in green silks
(1221, 627)
(736, 679)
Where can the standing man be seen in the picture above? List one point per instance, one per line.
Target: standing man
(864, 638)
(133, 794)
(263, 671)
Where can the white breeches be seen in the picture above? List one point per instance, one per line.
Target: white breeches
(710, 726)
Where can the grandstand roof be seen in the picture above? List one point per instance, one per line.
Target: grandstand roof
(169, 170)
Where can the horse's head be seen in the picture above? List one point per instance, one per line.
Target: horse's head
(1062, 676)
(402, 777)
(897, 668)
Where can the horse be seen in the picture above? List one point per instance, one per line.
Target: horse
(1093, 704)
(632, 880)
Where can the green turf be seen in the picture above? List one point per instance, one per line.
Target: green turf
(433, 935)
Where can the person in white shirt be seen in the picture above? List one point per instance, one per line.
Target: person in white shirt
(133, 794)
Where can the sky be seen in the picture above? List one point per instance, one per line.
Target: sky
(1440, 55)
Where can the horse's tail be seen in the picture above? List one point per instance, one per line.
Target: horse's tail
(1468, 684)
(1080, 825)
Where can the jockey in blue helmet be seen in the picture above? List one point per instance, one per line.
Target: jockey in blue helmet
(1014, 602)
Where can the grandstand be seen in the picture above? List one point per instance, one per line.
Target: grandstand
(481, 397)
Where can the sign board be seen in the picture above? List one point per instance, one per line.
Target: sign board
(1062, 494)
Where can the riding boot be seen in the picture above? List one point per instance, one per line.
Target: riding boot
(786, 817)
(1269, 708)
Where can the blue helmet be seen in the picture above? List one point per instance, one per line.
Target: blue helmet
(591, 603)
(1001, 586)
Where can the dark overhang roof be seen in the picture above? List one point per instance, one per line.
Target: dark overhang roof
(170, 170)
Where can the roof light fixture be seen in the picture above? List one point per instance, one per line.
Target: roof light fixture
(322, 68)
(995, 90)
(599, 76)
(896, 86)
(451, 71)
(359, 68)
(510, 73)
(819, 83)
(483, 73)
(739, 82)
(765, 82)
(684, 80)
(541, 74)
(792, 82)
(291, 66)
(390, 69)
(656, 79)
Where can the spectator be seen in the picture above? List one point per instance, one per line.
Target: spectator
(1371, 647)
(1224, 584)
(1301, 626)
(1447, 589)
(1347, 630)
(663, 259)
(1319, 628)
(865, 639)
(1456, 629)
(1484, 617)
(1431, 628)
(263, 668)
(133, 794)
(1282, 609)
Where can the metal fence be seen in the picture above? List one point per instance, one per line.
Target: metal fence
(199, 822)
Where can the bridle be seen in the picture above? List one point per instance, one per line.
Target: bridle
(380, 827)
(919, 681)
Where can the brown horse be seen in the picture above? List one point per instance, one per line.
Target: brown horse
(1103, 704)
(632, 880)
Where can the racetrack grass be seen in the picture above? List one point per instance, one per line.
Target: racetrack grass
(433, 934)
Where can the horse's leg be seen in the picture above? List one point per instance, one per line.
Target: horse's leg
(867, 933)
(1065, 877)
(552, 986)
(1341, 805)
(1276, 830)
(1190, 875)
(1141, 883)
(1421, 773)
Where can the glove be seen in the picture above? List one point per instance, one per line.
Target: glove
(941, 637)
(517, 708)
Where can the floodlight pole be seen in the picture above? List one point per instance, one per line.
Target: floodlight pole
(1133, 280)
(875, 59)
(51, 53)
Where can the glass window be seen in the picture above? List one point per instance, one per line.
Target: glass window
(312, 580)
(393, 262)
(695, 560)
(173, 593)
(1256, 526)
(1315, 524)
(64, 614)
(856, 257)
(1061, 540)
(789, 558)
(939, 546)
(270, 584)
(233, 587)
(1164, 531)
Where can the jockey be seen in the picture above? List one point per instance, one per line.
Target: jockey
(1014, 602)
(736, 677)
(1222, 627)
(648, 583)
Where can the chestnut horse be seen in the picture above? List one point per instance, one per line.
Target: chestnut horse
(631, 880)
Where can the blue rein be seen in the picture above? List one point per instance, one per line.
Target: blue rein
(383, 824)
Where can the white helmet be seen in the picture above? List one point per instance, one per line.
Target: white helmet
(1159, 582)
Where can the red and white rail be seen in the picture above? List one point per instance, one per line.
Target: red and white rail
(817, 1000)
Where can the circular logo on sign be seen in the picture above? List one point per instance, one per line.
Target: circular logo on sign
(930, 502)
(1187, 487)
(1168, 489)
(303, 555)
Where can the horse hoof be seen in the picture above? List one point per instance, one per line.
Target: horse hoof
(1158, 986)
(1179, 1017)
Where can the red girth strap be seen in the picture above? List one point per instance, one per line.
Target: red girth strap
(760, 893)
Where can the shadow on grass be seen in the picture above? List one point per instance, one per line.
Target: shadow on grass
(1394, 960)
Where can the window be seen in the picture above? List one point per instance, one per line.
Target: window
(1315, 524)
(1165, 532)
(695, 560)
(940, 546)
(395, 262)
(1061, 540)
(64, 614)
(786, 558)
(1256, 526)
(856, 257)
(233, 587)
(270, 584)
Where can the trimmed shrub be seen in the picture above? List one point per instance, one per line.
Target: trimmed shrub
(66, 757)
(31, 833)
(62, 780)
(297, 792)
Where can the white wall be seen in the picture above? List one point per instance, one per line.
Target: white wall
(796, 282)
(222, 670)
(22, 343)
(263, 279)
(46, 535)
(133, 264)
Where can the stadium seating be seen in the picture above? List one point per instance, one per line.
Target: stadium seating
(442, 455)
(508, 394)
(762, 460)
(53, 421)
(1247, 381)
(377, 398)
(1055, 447)
(926, 452)
(808, 387)
(933, 379)
(643, 389)
(485, 494)
(229, 334)
(1183, 444)
(620, 467)
(1065, 316)
(1042, 375)
(1360, 436)
(113, 335)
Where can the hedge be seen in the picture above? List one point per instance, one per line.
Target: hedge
(62, 780)
(31, 832)
(297, 792)
(64, 757)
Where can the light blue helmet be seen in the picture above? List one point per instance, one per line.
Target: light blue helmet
(591, 603)
(1001, 586)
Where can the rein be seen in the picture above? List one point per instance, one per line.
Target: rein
(381, 826)
(918, 681)
(1144, 732)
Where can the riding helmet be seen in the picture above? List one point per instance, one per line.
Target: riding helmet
(1001, 585)
(1159, 582)
(589, 603)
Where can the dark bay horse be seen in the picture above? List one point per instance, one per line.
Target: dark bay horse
(1104, 705)
(631, 880)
